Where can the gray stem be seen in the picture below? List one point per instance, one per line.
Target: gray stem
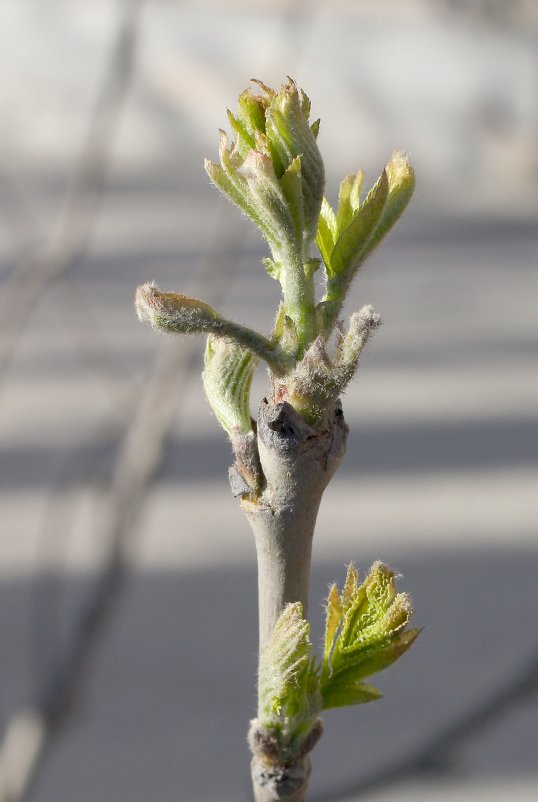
(297, 463)
(282, 784)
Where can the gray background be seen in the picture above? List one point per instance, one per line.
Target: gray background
(106, 441)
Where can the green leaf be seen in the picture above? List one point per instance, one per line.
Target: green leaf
(306, 105)
(268, 199)
(352, 242)
(326, 235)
(363, 663)
(351, 588)
(355, 194)
(245, 139)
(227, 378)
(252, 111)
(332, 622)
(348, 199)
(365, 628)
(236, 192)
(292, 187)
(288, 685)
(401, 178)
(290, 135)
(344, 693)
(285, 332)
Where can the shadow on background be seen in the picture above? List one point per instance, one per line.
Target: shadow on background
(166, 704)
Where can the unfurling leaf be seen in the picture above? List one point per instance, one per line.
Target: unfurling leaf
(352, 241)
(286, 673)
(343, 694)
(365, 633)
(274, 171)
(227, 378)
(289, 699)
(401, 178)
(327, 233)
(332, 621)
(349, 199)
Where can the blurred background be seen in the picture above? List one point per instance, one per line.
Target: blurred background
(127, 572)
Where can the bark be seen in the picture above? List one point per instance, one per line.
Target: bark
(297, 463)
(281, 784)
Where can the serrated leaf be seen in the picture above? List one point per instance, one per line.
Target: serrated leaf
(332, 622)
(380, 587)
(370, 634)
(342, 694)
(364, 663)
(352, 242)
(351, 586)
(288, 679)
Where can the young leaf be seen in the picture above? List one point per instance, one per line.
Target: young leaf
(227, 378)
(351, 587)
(352, 242)
(268, 198)
(326, 236)
(292, 187)
(401, 178)
(370, 635)
(251, 111)
(290, 135)
(349, 199)
(236, 191)
(332, 622)
(245, 140)
(367, 661)
(341, 694)
(288, 686)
